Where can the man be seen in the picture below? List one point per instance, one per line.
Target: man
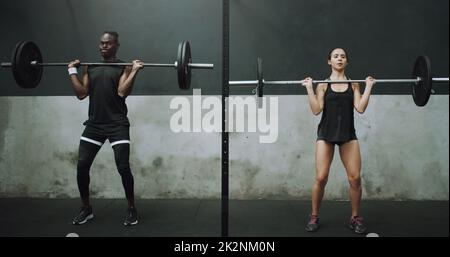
(107, 88)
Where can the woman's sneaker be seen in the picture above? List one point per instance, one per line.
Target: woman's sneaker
(313, 223)
(356, 224)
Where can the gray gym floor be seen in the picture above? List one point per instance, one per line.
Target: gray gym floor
(201, 218)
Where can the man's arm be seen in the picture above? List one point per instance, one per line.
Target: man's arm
(81, 88)
(126, 81)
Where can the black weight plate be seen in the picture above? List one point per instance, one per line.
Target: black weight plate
(259, 72)
(25, 74)
(421, 90)
(183, 60)
(13, 56)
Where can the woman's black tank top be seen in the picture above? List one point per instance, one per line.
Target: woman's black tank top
(337, 122)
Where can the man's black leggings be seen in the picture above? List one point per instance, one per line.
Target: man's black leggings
(90, 143)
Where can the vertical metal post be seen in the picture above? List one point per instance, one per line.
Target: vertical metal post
(225, 95)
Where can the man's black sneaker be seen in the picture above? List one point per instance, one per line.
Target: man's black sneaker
(356, 224)
(131, 218)
(313, 223)
(84, 215)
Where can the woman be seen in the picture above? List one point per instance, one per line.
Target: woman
(336, 102)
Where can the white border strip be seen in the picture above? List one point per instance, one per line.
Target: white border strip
(91, 141)
(120, 142)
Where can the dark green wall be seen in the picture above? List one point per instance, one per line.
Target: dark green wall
(148, 29)
(293, 37)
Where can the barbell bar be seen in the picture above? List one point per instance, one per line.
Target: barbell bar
(421, 81)
(27, 64)
(294, 82)
(174, 65)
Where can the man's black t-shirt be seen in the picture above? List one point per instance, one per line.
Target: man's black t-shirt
(106, 107)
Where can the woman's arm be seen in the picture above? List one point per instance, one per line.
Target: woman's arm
(362, 101)
(316, 100)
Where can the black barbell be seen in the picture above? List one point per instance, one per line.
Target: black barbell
(27, 64)
(421, 80)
